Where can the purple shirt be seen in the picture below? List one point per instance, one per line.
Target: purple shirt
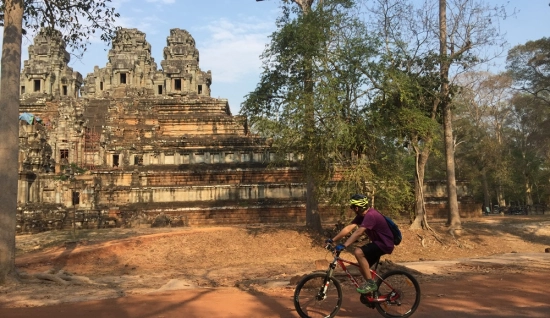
(377, 229)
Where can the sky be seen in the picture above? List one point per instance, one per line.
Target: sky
(231, 34)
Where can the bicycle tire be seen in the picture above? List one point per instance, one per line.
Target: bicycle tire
(407, 289)
(306, 296)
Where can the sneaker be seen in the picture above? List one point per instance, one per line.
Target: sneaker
(367, 287)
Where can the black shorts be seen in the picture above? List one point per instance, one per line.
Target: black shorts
(372, 252)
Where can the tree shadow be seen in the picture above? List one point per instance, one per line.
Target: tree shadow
(522, 227)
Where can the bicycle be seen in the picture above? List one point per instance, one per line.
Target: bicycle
(319, 294)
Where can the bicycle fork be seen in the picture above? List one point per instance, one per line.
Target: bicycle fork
(326, 281)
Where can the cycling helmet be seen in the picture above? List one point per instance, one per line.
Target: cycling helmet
(358, 200)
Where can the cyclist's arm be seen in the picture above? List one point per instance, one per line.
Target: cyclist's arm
(345, 231)
(355, 236)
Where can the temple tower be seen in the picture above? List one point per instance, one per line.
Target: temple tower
(131, 68)
(130, 65)
(181, 66)
(46, 71)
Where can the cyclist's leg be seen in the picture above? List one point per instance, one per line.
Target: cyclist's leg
(363, 263)
(366, 256)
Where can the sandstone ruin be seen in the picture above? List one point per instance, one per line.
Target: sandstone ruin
(134, 143)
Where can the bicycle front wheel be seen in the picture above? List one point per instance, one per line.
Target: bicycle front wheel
(318, 295)
(403, 293)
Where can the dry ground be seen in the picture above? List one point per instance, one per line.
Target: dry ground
(117, 262)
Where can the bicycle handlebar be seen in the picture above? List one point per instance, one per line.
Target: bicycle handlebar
(332, 249)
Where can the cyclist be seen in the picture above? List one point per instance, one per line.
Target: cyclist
(374, 225)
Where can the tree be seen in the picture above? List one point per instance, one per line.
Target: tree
(452, 201)
(407, 105)
(311, 156)
(408, 83)
(77, 20)
(460, 33)
(483, 106)
(309, 89)
(9, 134)
(470, 28)
(529, 66)
(528, 143)
(506, 143)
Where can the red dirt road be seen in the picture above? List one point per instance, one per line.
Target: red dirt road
(457, 295)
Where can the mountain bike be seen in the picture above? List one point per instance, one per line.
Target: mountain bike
(319, 294)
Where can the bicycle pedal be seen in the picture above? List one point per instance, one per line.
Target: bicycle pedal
(365, 301)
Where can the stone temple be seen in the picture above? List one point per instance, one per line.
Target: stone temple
(133, 145)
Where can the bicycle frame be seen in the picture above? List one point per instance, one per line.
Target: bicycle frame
(375, 297)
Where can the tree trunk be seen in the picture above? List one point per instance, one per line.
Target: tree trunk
(501, 201)
(305, 5)
(9, 134)
(454, 216)
(453, 220)
(527, 186)
(528, 193)
(486, 193)
(420, 220)
(313, 218)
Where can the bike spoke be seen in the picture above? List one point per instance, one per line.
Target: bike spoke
(311, 299)
(402, 294)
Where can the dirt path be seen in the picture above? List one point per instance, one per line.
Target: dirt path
(477, 295)
(246, 271)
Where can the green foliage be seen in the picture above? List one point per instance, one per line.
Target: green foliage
(502, 138)
(308, 93)
(407, 104)
(69, 171)
(369, 105)
(528, 144)
(529, 66)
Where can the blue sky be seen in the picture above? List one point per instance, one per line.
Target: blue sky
(231, 35)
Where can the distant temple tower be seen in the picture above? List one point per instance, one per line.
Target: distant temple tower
(46, 70)
(131, 66)
(181, 66)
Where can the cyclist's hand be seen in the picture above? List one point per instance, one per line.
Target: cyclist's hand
(340, 247)
(329, 241)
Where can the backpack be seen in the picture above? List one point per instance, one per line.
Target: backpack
(397, 237)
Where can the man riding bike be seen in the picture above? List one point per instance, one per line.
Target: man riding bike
(372, 223)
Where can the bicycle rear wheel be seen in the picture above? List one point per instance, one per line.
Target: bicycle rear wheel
(403, 292)
(318, 295)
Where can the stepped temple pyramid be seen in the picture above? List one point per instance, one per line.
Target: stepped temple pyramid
(133, 145)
